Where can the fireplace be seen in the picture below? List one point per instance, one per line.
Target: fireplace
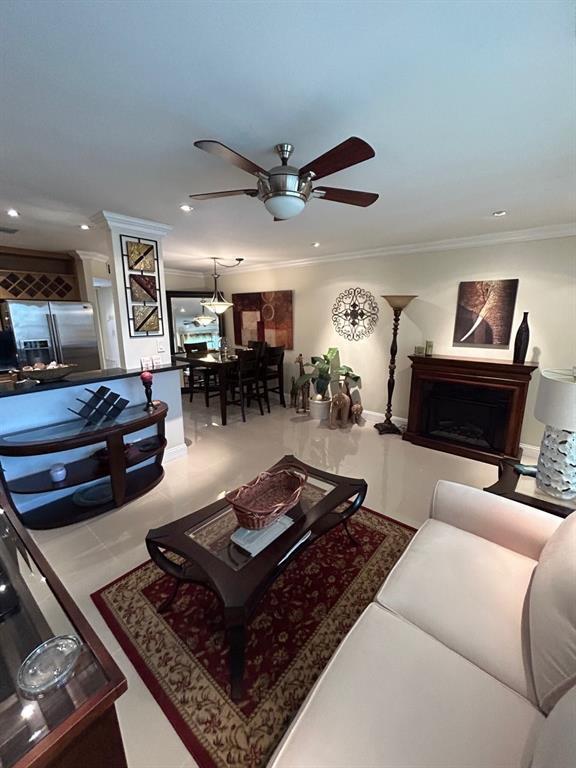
(470, 407)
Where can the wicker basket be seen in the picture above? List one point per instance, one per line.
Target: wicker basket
(272, 494)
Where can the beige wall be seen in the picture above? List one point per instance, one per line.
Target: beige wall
(547, 290)
(178, 280)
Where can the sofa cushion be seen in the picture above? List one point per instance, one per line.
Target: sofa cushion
(556, 745)
(394, 697)
(470, 594)
(553, 616)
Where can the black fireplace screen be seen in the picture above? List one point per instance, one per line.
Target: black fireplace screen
(468, 414)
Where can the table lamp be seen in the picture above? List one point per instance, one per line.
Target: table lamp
(398, 303)
(556, 408)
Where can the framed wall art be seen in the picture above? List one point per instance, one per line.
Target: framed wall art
(265, 316)
(485, 312)
(142, 286)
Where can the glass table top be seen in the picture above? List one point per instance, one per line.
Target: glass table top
(215, 534)
(527, 486)
(29, 615)
(72, 428)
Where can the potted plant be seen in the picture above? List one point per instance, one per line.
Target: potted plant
(326, 370)
(320, 377)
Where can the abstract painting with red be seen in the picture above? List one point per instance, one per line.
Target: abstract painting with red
(265, 316)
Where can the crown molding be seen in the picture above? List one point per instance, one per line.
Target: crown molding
(141, 226)
(93, 256)
(174, 272)
(475, 241)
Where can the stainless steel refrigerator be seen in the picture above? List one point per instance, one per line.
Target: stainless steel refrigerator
(43, 331)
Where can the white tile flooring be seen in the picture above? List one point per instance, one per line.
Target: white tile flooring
(87, 556)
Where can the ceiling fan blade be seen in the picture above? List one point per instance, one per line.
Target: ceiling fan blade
(224, 152)
(350, 152)
(229, 193)
(349, 196)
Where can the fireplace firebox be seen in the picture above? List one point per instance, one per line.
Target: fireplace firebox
(468, 406)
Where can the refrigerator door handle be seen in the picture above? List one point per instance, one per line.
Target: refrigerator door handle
(56, 335)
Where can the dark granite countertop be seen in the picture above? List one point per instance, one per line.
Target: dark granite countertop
(91, 377)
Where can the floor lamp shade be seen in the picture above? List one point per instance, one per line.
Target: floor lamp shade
(556, 408)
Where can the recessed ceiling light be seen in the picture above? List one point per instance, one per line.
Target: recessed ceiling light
(186, 208)
(13, 213)
(84, 226)
(315, 245)
(499, 213)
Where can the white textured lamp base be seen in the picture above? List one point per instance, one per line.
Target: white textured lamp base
(556, 473)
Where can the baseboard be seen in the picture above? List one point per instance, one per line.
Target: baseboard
(175, 452)
(530, 453)
(375, 417)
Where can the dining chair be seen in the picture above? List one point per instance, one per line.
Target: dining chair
(197, 375)
(247, 380)
(273, 370)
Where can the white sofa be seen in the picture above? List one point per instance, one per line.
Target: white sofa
(467, 656)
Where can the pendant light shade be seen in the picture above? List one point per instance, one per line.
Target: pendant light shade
(218, 303)
(203, 319)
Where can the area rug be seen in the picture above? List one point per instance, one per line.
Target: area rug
(182, 655)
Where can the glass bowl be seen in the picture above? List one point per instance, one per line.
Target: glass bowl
(49, 666)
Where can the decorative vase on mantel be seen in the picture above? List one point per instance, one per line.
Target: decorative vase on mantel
(521, 341)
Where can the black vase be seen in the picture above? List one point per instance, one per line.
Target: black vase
(521, 340)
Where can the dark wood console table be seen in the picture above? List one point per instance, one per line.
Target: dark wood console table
(118, 459)
(488, 396)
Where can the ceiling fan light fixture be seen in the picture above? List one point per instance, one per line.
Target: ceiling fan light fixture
(285, 189)
(285, 206)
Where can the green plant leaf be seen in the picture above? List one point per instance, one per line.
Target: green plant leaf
(304, 379)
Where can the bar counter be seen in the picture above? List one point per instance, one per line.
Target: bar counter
(90, 377)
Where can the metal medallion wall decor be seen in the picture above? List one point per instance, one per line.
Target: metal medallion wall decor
(355, 314)
(142, 285)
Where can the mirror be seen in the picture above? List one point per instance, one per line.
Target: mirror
(184, 311)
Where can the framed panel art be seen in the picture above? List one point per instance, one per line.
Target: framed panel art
(265, 316)
(142, 286)
(485, 312)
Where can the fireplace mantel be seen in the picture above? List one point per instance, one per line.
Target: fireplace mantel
(499, 387)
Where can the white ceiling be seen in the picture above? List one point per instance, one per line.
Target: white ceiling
(469, 106)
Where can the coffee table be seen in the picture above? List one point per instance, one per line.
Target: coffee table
(208, 556)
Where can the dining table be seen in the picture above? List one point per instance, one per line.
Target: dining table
(222, 365)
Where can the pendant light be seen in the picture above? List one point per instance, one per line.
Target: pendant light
(203, 319)
(218, 303)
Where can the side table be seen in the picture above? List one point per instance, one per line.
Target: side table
(512, 485)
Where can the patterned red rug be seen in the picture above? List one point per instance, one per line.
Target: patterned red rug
(182, 655)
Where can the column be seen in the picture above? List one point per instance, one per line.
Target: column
(136, 341)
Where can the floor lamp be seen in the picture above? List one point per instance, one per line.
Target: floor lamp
(398, 303)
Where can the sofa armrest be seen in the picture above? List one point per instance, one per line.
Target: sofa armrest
(515, 526)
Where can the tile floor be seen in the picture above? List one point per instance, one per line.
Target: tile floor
(87, 556)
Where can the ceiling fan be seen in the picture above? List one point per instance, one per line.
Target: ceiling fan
(285, 189)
